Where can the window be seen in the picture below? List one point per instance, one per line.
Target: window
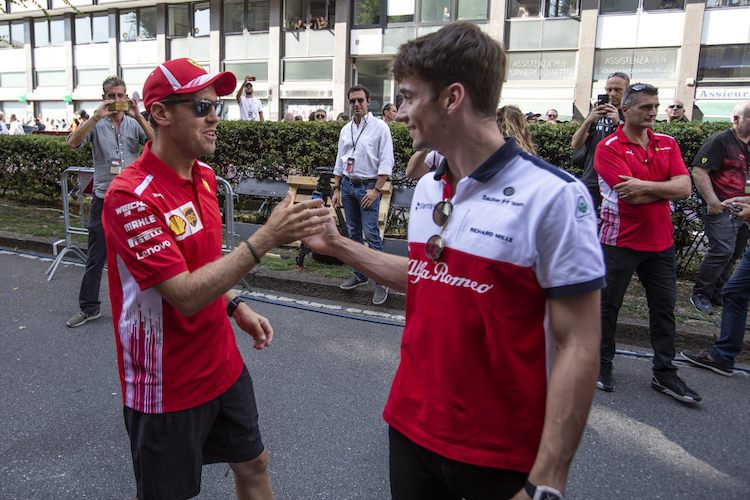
(724, 62)
(138, 24)
(640, 64)
(54, 78)
(366, 12)
(259, 70)
(625, 6)
(295, 71)
(49, 32)
(546, 8)
(91, 28)
(711, 4)
(309, 14)
(250, 15)
(189, 19)
(555, 65)
(16, 79)
(91, 77)
(445, 11)
(400, 11)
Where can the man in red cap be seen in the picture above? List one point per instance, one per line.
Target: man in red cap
(188, 397)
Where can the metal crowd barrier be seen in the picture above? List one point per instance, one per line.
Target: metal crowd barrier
(85, 177)
(77, 224)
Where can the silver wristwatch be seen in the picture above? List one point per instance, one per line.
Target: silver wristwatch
(542, 492)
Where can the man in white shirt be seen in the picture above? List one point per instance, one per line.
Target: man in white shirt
(3, 126)
(251, 109)
(364, 162)
(15, 126)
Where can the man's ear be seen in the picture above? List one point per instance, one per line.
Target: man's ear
(160, 114)
(453, 97)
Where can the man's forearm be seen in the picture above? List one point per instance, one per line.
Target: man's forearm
(79, 135)
(703, 184)
(576, 323)
(581, 135)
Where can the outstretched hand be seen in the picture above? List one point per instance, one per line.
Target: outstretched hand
(324, 242)
(291, 222)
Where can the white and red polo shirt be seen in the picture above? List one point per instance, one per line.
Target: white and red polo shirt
(647, 227)
(157, 226)
(477, 349)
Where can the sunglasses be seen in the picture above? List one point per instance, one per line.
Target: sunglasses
(435, 245)
(320, 117)
(619, 75)
(355, 101)
(202, 106)
(675, 106)
(551, 116)
(641, 86)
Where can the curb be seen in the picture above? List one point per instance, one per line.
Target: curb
(629, 331)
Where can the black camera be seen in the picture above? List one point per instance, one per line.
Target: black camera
(323, 188)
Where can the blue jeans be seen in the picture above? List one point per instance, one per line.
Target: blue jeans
(658, 273)
(736, 295)
(727, 239)
(88, 298)
(358, 219)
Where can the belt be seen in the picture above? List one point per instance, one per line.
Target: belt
(360, 182)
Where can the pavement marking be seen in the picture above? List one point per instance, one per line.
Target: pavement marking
(333, 308)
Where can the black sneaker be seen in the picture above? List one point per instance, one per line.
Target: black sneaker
(606, 381)
(703, 359)
(353, 282)
(717, 301)
(702, 303)
(675, 387)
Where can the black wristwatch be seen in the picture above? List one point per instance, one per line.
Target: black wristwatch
(336, 188)
(542, 492)
(233, 305)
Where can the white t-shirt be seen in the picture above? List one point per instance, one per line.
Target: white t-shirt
(16, 128)
(250, 109)
(433, 160)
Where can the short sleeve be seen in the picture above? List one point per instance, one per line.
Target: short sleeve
(710, 155)
(570, 259)
(138, 233)
(608, 164)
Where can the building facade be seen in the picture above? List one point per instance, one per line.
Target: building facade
(304, 54)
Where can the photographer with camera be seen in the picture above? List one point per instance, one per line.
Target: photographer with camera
(601, 122)
(364, 162)
(251, 109)
(115, 131)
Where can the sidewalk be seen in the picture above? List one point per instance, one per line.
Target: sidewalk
(694, 332)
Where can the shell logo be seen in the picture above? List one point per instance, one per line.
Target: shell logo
(205, 184)
(177, 225)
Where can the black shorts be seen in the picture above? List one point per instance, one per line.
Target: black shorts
(169, 449)
(417, 472)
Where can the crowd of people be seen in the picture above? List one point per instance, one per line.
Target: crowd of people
(531, 265)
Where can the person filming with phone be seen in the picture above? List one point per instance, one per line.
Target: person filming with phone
(115, 131)
(602, 121)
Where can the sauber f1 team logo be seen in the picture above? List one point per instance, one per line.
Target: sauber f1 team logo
(183, 221)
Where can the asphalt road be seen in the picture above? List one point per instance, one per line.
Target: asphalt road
(321, 388)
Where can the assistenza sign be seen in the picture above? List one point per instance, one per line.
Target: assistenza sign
(742, 93)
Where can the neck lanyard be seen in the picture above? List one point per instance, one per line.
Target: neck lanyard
(354, 143)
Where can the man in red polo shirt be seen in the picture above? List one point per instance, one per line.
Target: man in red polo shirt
(188, 397)
(639, 172)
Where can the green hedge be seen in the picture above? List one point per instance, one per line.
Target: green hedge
(273, 150)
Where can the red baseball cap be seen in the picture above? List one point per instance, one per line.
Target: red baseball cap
(183, 76)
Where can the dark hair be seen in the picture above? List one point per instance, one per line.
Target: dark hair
(359, 87)
(343, 117)
(460, 52)
(113, 81)
(633, 93)
(387, 107)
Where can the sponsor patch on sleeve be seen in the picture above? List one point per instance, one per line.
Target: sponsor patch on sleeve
(583, 207)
